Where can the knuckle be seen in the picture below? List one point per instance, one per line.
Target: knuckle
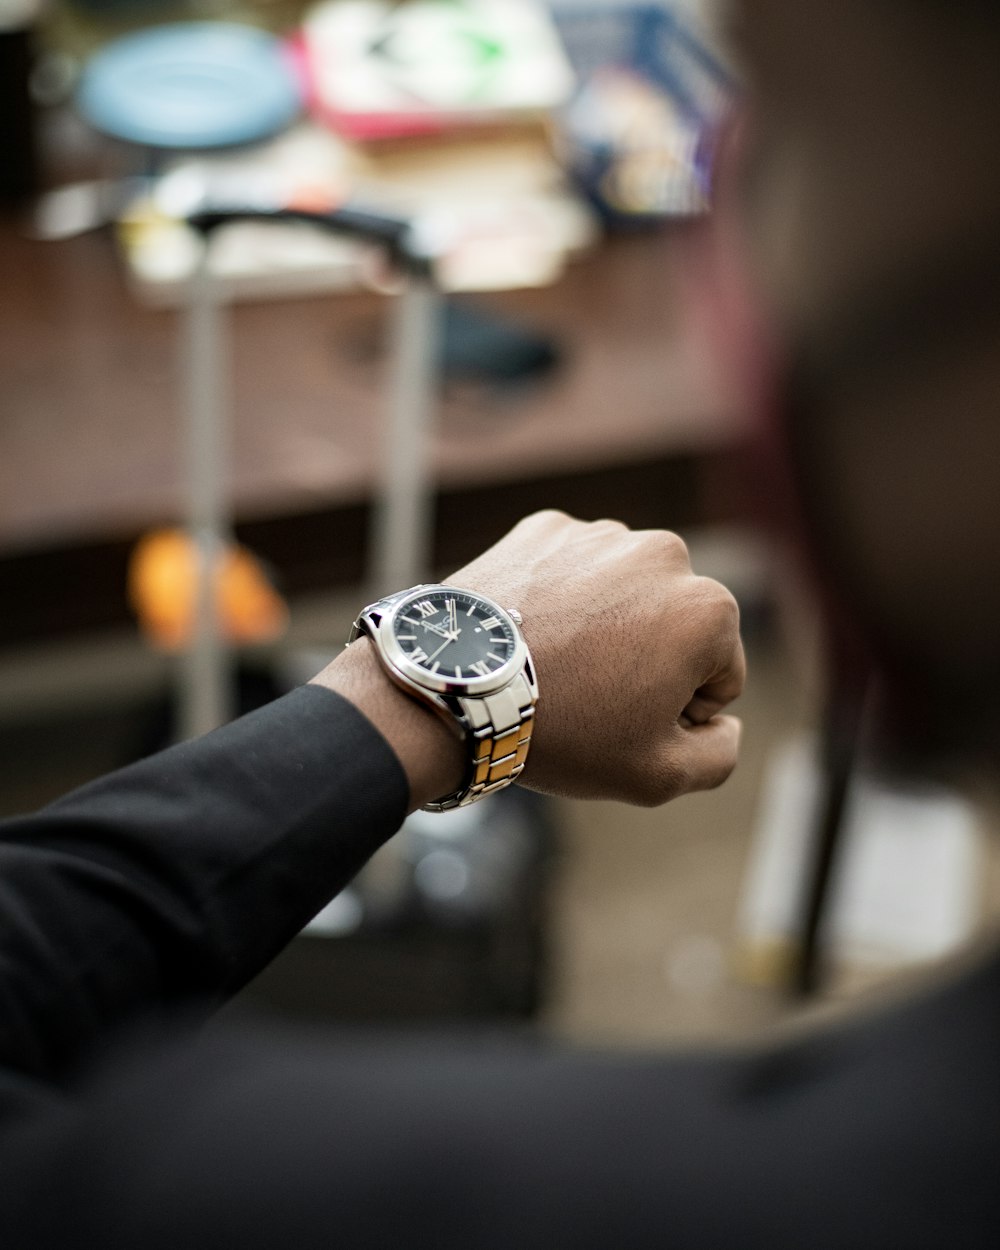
(728, 608)
(609, 523)
(675, 546)
(547, 517)
(721, 603)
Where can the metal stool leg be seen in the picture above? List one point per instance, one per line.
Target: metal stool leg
(402, 542)
(205, 677)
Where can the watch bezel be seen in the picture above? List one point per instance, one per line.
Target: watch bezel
(413, 674)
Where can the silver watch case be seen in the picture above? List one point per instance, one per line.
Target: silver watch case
(377, 622)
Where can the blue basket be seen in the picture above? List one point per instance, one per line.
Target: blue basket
(654, 43)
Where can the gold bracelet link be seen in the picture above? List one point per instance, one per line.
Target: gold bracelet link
(502, 726)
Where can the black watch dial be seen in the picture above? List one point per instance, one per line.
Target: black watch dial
(454, 634)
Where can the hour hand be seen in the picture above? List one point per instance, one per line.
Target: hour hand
(435, 629)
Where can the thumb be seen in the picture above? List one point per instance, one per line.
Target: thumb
(704, 755)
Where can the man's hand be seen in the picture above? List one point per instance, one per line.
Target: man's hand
(635, 656)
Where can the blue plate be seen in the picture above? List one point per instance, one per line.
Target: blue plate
(191, 85)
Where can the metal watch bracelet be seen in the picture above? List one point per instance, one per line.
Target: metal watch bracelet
(499, 734)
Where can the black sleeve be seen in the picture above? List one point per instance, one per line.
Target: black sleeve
(180, 877)
(184, 874)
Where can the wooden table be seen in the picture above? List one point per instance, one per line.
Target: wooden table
(633, 423)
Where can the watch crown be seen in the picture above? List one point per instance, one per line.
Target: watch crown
(515, 616)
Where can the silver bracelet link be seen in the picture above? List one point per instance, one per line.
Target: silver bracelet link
(500, 726)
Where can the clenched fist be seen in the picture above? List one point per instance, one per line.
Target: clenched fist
(636, 656)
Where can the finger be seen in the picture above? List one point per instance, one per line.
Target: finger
(674, 550)
(724, 673)
(718, 693)
(708, 700)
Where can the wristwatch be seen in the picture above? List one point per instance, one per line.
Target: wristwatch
(464, 656)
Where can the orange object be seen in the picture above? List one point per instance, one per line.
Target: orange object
(162, 585)
(317, 197)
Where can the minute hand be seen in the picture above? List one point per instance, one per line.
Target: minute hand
(438, 650)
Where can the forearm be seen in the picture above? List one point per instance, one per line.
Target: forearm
(182, 876)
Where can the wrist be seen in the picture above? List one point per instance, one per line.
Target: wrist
(431, 755)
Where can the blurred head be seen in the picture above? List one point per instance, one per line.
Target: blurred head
(870, 213)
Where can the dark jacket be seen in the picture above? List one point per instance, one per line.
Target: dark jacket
(131, 907)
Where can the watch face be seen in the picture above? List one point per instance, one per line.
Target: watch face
(453, 635)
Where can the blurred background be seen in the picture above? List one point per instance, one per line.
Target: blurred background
(304, 302)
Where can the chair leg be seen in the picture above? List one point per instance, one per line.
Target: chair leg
(838, 753)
